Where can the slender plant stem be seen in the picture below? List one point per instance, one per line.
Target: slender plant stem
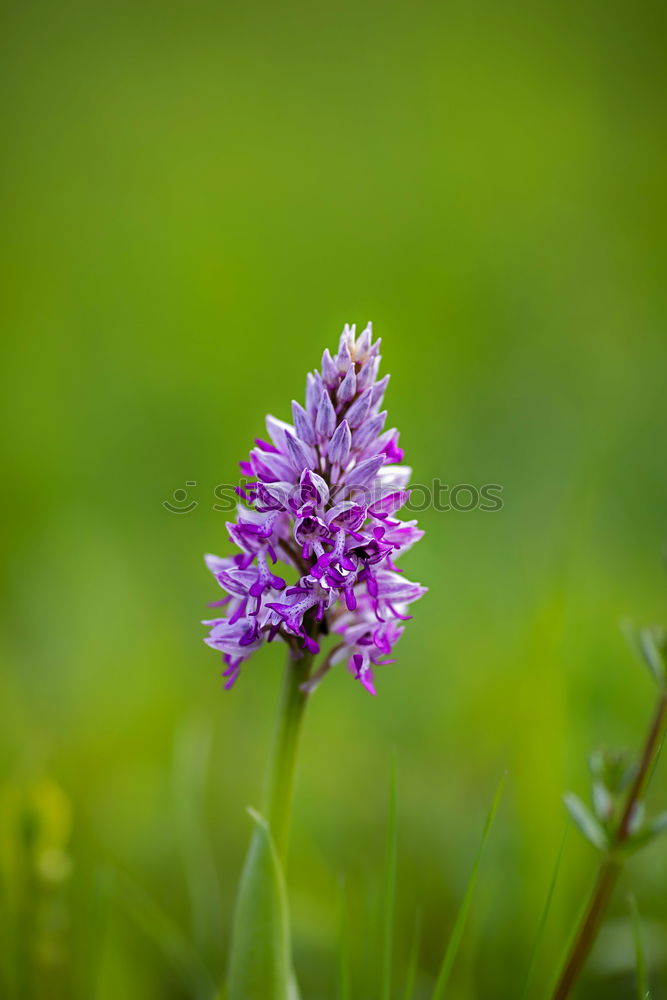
(280, 784)
(611, 864)
(589, 927)
(643, 774)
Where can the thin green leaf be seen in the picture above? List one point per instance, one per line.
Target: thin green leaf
(639, 840)
(575, 924)
(659, 824)
(656, 759)
(260, 965)
(545, 914)
(459, 925)
(293, 989)
(637, 817)
(652, 646)
(603, 802)
(343, 944)
(640, 956)
(390, 888)
(598, 764)
(586, 821)
(413, 961)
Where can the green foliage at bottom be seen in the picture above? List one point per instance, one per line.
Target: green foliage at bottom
(260, 964)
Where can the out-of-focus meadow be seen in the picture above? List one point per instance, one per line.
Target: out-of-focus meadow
(196, 197)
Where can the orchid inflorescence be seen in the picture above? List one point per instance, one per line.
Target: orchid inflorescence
(321, 496)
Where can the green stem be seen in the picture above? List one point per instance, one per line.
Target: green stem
(645, 769)
(611, 864)
(280, 783)
(588, 929)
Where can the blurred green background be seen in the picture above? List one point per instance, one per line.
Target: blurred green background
(196, 197)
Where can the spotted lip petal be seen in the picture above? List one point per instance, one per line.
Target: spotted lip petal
(323, 498)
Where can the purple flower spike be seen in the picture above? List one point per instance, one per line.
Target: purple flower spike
(323, 500)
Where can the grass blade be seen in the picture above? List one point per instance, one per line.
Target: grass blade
(343, 950)
(414, 958)
(643, 992)
(459, 925)
(390, 888)
(545, 914)
(293, 989)
(260, 964)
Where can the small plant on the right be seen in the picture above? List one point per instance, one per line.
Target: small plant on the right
(616, 823)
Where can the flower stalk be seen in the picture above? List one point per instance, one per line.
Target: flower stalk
(613, 857)
(260, 964)
(282, 769)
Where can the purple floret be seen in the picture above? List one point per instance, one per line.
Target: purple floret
(322, 499)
